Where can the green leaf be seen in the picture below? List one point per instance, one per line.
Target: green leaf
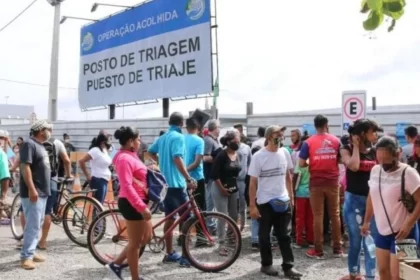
(375, 4)
(373, 21)
(364, 7)
(393, 7)
(395, 16)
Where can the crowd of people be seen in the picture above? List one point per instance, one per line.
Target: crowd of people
(361, 190)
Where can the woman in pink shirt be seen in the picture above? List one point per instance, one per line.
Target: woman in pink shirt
(132, 201)
(393, 220)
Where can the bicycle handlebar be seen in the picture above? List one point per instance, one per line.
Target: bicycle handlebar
(63, 180)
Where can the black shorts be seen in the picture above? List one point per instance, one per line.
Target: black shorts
(128, 211)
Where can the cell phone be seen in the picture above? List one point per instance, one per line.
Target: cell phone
(406, 249)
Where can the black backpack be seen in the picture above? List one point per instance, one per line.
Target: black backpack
(52, 155)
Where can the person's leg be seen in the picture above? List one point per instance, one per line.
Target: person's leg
(317, 198)
(170, 206)
(210, 205)
(370, 263)
(254, 232)
(333, 200)
(264, 236)
(247, 190)
(34, 213)
(309, 227)
(300, 211)
(51, 201)
(383, 255)
(242, 203)
(354, 210)
(200, 195)
(220, 203)
(282, 223)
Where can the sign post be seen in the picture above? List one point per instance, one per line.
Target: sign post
(353, 108)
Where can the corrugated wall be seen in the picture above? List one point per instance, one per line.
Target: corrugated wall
(386, 117)
(82, 132)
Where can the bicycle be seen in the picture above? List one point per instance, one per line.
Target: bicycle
(195, 226)
(67, 213)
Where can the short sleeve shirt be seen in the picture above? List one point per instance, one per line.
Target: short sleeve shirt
(271, 169)
(391, 193)
(194, 146)
(4, 166)
(34, 154)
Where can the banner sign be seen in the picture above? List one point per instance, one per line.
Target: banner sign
(160, 49)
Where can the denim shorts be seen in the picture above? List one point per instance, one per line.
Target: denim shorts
(175, 197)
(388, 242)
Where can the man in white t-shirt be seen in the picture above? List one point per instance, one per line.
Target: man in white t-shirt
(272, 202)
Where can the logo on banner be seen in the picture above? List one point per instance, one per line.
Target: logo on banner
(87, 42)
(195, 9)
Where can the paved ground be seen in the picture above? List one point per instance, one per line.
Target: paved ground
(68, 261)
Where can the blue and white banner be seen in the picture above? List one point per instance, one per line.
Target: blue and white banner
(160, 49)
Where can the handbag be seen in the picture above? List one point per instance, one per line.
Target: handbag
(406, 248)
(279, 206)
(406, 198)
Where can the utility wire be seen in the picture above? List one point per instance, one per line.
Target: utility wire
(16, 17)
(32, 84)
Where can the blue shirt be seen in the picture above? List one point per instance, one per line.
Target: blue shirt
(170, 146)
(195, 146)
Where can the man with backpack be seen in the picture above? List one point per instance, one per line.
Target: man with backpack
(54, 155)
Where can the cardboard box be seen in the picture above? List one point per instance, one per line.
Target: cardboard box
(410, 270)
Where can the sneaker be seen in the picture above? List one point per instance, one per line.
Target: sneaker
(172, 258)
(183, 262)
(311, 253)
(255, 246)
(338, 253)
(116, 269)
(269, 270)
(27, 264)
(38, 259)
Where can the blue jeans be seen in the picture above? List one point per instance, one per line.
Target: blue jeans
(210, 205)
(34, 216)
(354, 213)
(101, 187)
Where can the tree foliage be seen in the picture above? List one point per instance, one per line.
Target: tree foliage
(377, 10)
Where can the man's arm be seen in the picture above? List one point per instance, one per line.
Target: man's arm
(199, 151)
(177, 153)
(253, 191)
(153, 150)
(26, 159)
(208, 149)
(304, 155)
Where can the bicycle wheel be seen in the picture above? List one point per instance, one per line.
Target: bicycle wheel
(79, 213)
(15, 224)
(229, 242)
(112, 226)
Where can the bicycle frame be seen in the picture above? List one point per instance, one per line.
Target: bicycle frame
(191, 207)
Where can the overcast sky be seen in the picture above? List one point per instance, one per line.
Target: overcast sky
(281, 55)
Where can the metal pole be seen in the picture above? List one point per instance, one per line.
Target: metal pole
(53, 90)
(217, 51)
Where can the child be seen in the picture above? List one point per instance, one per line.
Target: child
(304, 216)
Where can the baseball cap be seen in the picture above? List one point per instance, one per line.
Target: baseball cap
(3, 134)
(273, 129)
(40, 125)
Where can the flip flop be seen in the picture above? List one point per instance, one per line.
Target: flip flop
(40, 248)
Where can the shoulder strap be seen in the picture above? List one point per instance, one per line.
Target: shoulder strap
(403, 183)
(382, 200)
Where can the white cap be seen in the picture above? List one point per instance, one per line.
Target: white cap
(4, 134)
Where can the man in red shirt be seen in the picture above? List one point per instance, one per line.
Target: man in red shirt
(322, 150)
